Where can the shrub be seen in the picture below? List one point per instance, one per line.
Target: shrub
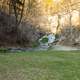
(35, 44)
(44, 40)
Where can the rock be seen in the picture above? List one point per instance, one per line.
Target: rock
(51, 38)
(46, 40)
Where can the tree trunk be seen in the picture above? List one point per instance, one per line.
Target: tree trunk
(79, 18)
(59, 17)
(70, 24)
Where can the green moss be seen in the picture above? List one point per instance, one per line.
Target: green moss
(44, 40)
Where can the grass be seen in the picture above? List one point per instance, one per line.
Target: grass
(44, 65)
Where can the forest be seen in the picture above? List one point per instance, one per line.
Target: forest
(24, 22)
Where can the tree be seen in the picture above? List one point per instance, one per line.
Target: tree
(18, 7)
(32, 8)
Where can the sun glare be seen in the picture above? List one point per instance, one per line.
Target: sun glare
(56, 1)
